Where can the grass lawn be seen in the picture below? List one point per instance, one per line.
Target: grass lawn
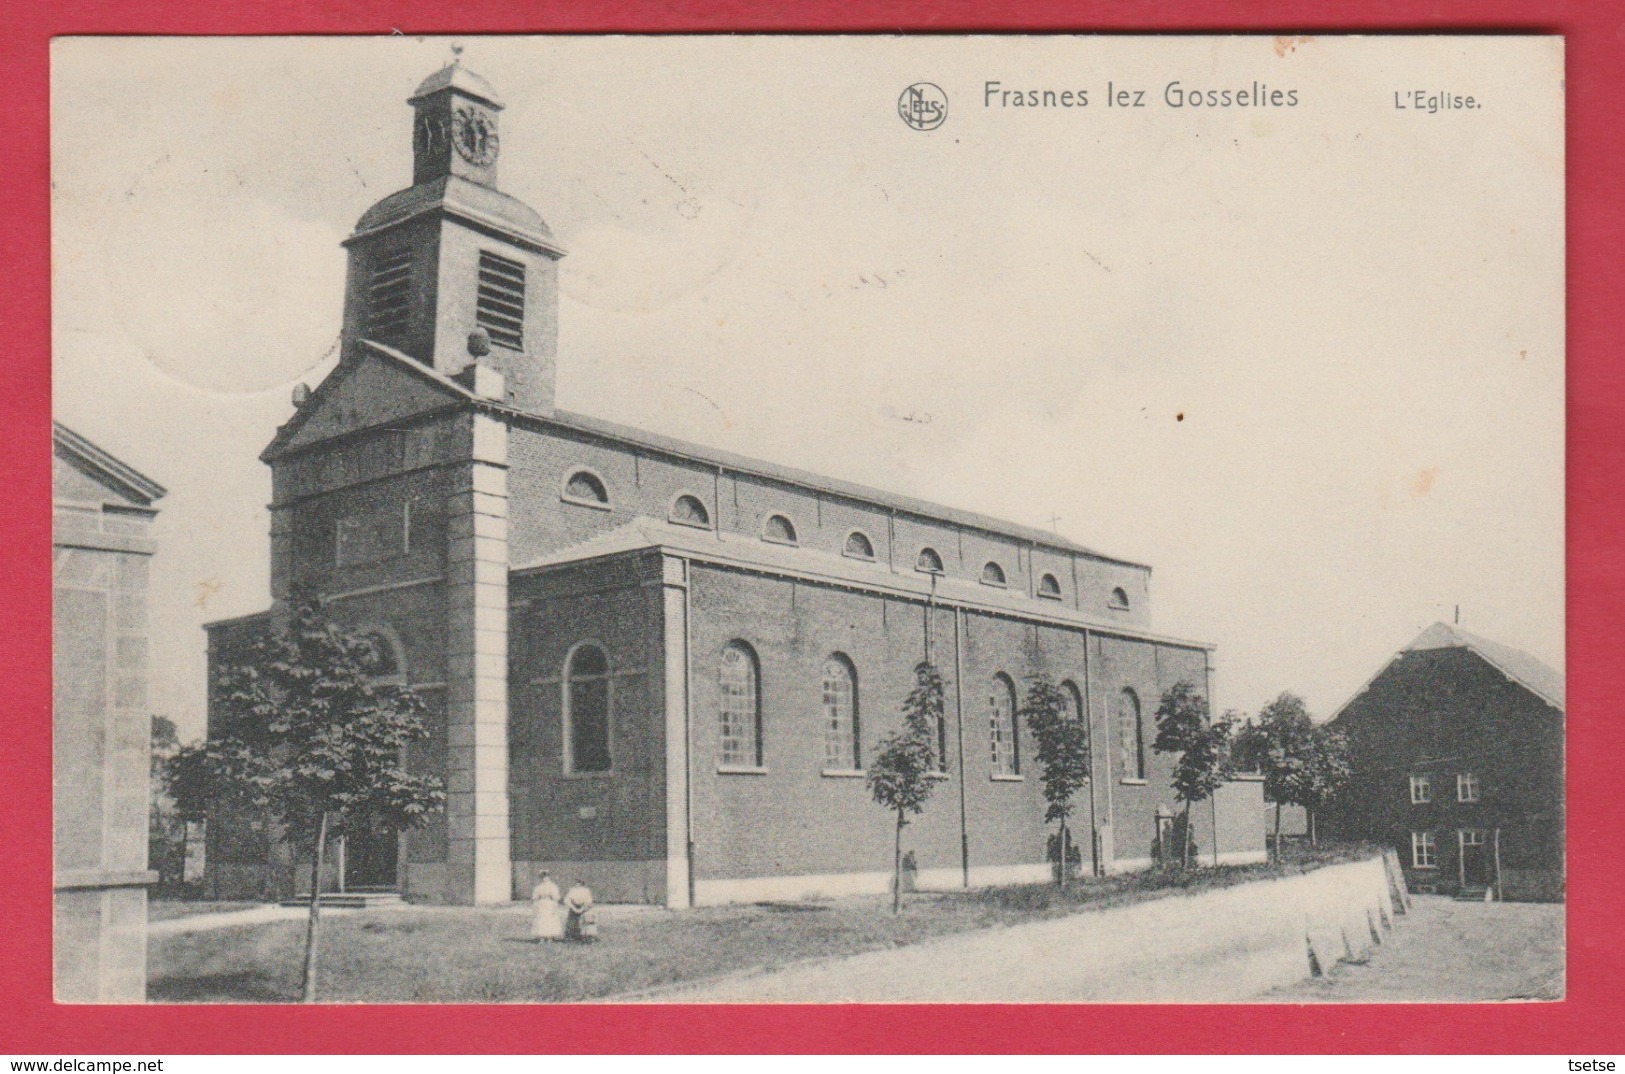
(455, 954)
(170, 909)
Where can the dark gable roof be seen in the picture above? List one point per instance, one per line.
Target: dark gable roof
(105, 465)
(739, 464)
(1528, 671)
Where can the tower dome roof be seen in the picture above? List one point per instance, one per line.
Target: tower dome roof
(461, 198)
(455, 76)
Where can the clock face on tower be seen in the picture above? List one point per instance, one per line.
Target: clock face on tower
(474, 136)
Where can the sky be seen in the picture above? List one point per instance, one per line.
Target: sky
(1307, 362)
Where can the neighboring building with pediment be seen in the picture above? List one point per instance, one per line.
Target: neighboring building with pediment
(102, 512)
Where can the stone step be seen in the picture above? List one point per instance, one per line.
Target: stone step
(350, 900)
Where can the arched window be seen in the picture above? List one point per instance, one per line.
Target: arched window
(939, 746)
(928, 561)
(1074, 700)
(687, 510)
(586, 487)
(587, 703)
(1049, 588)
(1001, 716)
(840, 687)
(858, 546)
(992, 574)
(381, 660)
(1131, 734)
(739, 715)
(779, 530)
(1119, 599)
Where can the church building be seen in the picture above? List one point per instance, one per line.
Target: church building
(655, 665)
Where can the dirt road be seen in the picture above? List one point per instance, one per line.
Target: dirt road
(1447, 951)
(1442, 951)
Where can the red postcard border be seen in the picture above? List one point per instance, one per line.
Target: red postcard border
(1589, 1020)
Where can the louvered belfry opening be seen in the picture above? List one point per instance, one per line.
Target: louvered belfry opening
(500, 307)
(389, 296)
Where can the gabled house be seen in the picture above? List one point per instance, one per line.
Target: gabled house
(1457, 750)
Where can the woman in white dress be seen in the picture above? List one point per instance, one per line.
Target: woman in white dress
(546, 923)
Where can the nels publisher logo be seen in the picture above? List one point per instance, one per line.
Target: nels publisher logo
(923, 106)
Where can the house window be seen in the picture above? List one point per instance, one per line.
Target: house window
(840, 688)
(928, 561)
(1119, 599)
(1424, 850)
(587, 489)
(1421, 790)
(858, 546)
(587, 704)
(389, 296)
(993, 574)
(500, 301)
(1001, 714)
(687, 510)
(1472, 838)
(779, 530)
(1131, 734)
(739, 717)
(1466, 787)
(1049, 588)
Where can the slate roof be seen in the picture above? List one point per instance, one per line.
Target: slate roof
(752, 553)
(455, 76)
(465, 199)
(1526, 670)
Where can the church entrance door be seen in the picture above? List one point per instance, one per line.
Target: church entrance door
(370, 861)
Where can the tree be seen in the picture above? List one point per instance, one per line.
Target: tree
(1063, 751)
(1278, 746)
(1203, 748)
(900, 776)
(1326, 771)
(314, 743)
(1304, 763)
(166, 828)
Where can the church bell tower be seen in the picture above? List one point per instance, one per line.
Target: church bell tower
(451, 271)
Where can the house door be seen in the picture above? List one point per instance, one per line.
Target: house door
(1475, 862)
(370, 861)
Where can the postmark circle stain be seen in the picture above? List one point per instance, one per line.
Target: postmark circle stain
(923, 106)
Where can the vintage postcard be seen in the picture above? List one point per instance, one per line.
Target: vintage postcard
(785, 519)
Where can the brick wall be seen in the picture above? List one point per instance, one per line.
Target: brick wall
(642, 484)
(797, 819)
(606, 827)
